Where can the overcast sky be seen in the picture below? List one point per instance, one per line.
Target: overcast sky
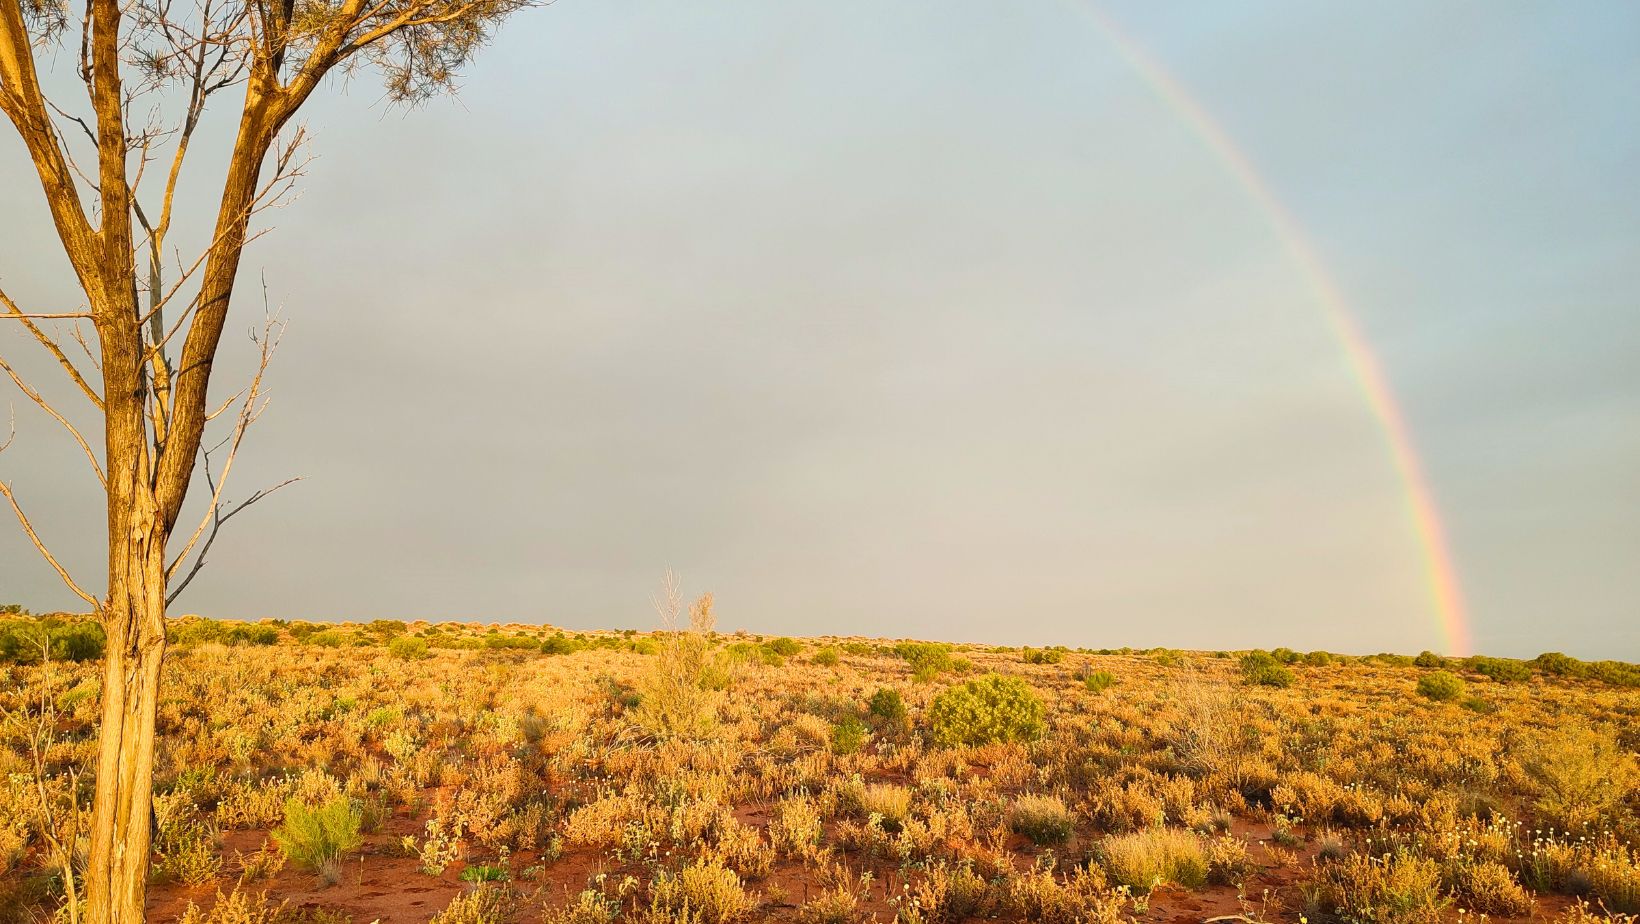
(934, 319)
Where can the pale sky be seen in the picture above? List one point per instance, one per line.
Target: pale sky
(935, 320)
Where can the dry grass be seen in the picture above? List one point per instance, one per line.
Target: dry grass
(616, 776)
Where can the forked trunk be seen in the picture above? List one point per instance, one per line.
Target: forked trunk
(116, 878)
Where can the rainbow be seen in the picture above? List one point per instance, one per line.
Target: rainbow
(1446, 594)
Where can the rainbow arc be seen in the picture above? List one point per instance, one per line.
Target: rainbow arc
(1445, 590)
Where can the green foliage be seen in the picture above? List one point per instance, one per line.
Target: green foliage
(481, 872)
(1503, 670)
(198, 630)
(1098, 681)
(1285, 655)
(1390, 659)
(330, 638)
(848, 735)
(316, 838)
(1429, 659)
(1052, 655)
(784, 647)
(1441, 686)
(826, 657)
(518, 642)
(24, 640)
(407, 648)
(752, 653)
(1262, 668)
(1318, 659)
(561, 644)
(887, 706)
(989, 709)
(1043, 819)
(927, 659)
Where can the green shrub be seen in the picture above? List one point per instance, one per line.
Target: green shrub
(887, 706)
(1478, 705)
(848, 735)
(1556, 664)
(1098, 681)
(407, 648)
(1429, 659)
(1441, 686)
(749, 653)
(330, 638)
(317, 838)
(561, 644)
(1318, 659)
(1263, 669)
(826, 657)
(1616, 673)
(1285, 655)
(386, 628)
(986, 710)
(1390, 659)
(1042, 655)
(23, 640)
(254, 634)
(512, 642)
(1503, 670)
(927, 659)
(785, 647)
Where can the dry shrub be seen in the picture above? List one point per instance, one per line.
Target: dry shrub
(1581, 913)
(796, 826)
(1144, 860)
(234, 908)
(680, 694)
(488, 904)
(944, 894)
(1488, 887)
(702, 893)
(886, 801)
(1082, 897)
(591, 906)
(1204, 734)
(244, 908)
(1398, 888)
(1227, 860)
(839, 900)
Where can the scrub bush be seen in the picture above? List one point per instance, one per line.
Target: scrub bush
(987, 710)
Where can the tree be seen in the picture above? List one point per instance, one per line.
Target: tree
(150, 70)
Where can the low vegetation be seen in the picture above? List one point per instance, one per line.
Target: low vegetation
(520, 774)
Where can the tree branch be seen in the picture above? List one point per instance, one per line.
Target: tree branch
(39, 545)
(40, 400)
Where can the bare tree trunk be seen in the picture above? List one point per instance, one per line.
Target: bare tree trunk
(134, 620)
(420, 44)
